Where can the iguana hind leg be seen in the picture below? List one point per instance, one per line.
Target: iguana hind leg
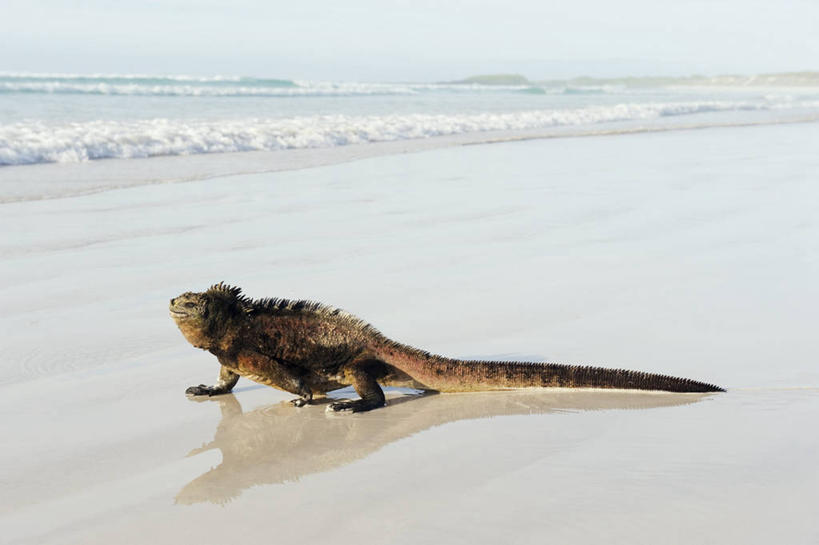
(227, 380)
(362, 377)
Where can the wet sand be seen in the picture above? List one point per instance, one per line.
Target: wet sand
(690, 253)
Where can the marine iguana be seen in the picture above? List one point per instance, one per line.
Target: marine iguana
(308, 348)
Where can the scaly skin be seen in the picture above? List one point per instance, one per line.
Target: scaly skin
(307, 348)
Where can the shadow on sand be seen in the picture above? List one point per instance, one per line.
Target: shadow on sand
(279, 443)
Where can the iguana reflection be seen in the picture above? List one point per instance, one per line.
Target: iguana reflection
(275, 444)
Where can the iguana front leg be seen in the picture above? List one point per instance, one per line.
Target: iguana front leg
(258, 368)
(227, 380)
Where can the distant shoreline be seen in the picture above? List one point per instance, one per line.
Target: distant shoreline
(779, 79)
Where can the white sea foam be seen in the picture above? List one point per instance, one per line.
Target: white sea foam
(285, 88)
(218, 86)
(146, 88)
(43, 142)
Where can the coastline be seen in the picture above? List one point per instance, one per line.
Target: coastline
(63, 180)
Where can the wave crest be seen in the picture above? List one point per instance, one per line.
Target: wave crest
(220, 86)
(44, 142)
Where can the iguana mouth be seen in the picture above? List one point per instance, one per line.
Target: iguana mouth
(178, 313)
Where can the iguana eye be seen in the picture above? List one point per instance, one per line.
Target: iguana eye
(189, 305)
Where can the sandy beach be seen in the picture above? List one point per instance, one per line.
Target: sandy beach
(684, 252)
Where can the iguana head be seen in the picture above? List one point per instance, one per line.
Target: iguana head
(205, 317)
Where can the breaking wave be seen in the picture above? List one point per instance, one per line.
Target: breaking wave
(218, 86)
(238, 86)
(32, 142)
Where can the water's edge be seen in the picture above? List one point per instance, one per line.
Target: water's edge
(21, 183)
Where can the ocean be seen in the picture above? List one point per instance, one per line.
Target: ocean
(71, 118)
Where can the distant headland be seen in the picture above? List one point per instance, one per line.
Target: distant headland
(494, 79)
(781, 79)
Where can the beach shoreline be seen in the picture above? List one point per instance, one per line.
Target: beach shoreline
(65, 180)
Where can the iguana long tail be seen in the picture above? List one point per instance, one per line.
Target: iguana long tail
(451, 375)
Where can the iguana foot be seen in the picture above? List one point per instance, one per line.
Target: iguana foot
(202, 390)
(305, 397)
(357, 406)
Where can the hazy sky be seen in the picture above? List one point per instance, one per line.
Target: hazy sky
(409, 40)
